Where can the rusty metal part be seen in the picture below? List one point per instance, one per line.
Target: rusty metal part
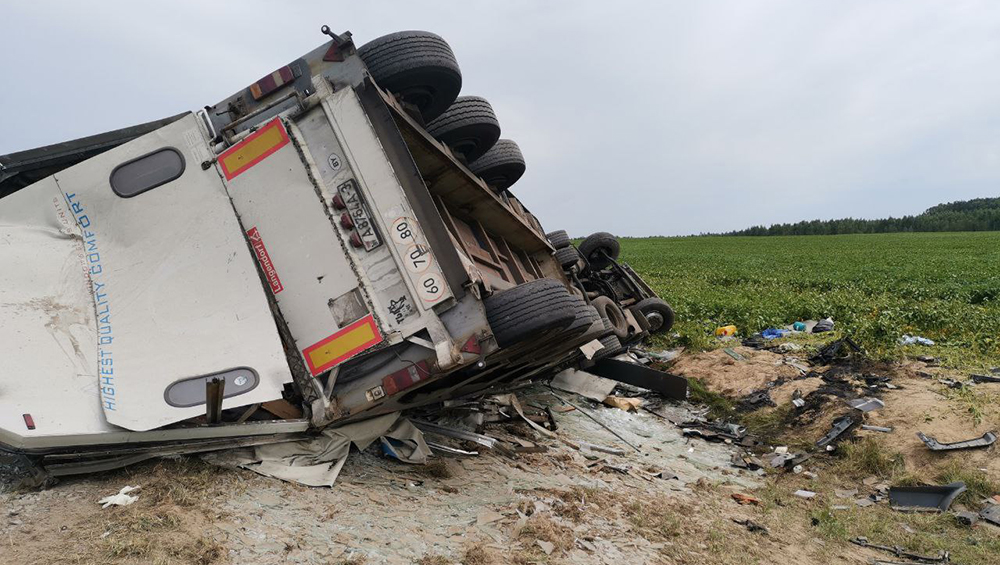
(214, 390)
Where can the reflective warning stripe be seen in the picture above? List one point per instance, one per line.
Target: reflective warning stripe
(254, 149)
(342, 345)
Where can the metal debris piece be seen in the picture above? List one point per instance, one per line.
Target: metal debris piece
(991, 514)
(967, 518)
(755, 400)
(952, 383)
(884, 430)
(595, 419)
(753, 527)
(942, 556)
(866, 404)
(583, 383)
(839, 493)
(798, 402)
(807, 494)
(934, 445)
(670, 386)
(832, 351)
(485, 441)
(925, 498)
(448, 449)
(840, 426)
(985, 378)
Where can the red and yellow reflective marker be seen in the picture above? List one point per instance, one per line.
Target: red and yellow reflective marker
(344, 344)
(254, 149)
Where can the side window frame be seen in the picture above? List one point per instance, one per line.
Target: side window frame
(180, 173)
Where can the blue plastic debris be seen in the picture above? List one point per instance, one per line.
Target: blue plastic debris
(773, 333)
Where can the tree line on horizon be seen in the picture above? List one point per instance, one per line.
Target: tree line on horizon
(979, 214)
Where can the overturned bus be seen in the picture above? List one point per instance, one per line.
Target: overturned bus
(336, 241)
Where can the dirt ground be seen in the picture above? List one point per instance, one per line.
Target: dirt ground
(560, 506)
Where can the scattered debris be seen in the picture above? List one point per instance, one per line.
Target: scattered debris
(840, 426)
(883, 429)
(835, 350)
(824, 325)
(755, 401)
(952, 383)
(732, 353)
(866, 404)
(967, 518)
(725, 331)
(583, 383)
(744, 499)
(942, 557)
(122, 498)
(991, 514)
(841, 493)
(915, 340)
(753, 527)
(807, 494)
(985, 379)
(546, 546)
(622, 403)
(925, 498)
(934, 445)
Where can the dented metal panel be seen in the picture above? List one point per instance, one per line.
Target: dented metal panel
(175, 293)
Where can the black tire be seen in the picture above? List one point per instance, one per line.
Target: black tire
(612, 346)
(598, 248)
(418, 66)
(529, 310)
(501, 166)
(612, 312)
(567, 257)
(558, 239)
(658, 313)
(586, 315)
(469, 127)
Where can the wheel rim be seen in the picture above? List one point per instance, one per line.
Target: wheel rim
(655, 320)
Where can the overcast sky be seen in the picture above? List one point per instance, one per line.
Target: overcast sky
(639, 118)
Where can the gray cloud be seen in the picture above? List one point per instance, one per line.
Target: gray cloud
(636, 118)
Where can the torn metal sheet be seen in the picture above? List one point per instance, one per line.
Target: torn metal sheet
(882, 429)
(317, 461)
(991, 514)
(583, 383)
(934, 445)
(670, 386)
(485, 441)
(925, 498)
(866, 404)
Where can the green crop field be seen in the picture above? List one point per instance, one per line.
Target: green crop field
(945, 286)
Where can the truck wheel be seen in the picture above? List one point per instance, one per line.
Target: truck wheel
(658, 313)
(596, 246)
(418, 66)
(501, 166)
(529, 310)
(567, 257)
(558, 239)
(468, 127)
(612, 312)
(585, 316)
